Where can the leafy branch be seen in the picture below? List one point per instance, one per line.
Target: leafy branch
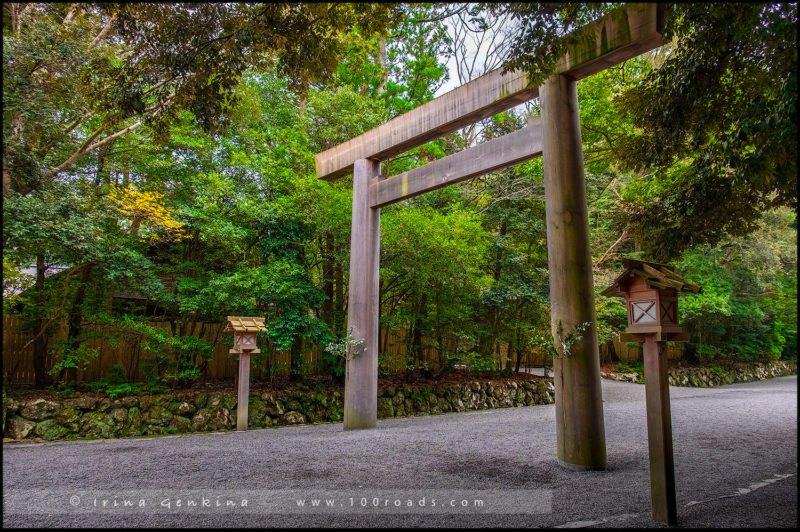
(348, 348)
(548, 343)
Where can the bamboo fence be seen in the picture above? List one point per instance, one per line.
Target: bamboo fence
(18, 359)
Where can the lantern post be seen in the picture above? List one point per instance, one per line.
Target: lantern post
(650, 291)
(245, 332)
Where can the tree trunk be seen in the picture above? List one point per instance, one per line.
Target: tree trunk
(327, 279)
(41, 377)
(295, 357)
(101, 164)
(416, 338)
(13, 9)
(6, 182)
(489, 336)
(519, 359)
(339, 300)
(75, 321)
(384, 64)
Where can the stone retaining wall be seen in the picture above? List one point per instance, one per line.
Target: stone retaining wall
(92, 417)
(704, 377)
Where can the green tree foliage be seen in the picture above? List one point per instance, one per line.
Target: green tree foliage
(715, 126)
(748, 307)
(718, 126)
(102, 70)
(417, 54)
(432, 276)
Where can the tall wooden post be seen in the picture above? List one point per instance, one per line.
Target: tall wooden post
(651, 297)
(245, 333)
(580, 428)
(361, 377)
(659, 432)
(243, 399)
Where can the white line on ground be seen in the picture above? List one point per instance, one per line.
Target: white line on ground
(744, 491)
(585, 524)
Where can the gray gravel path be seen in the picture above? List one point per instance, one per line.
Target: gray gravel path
(735, 466)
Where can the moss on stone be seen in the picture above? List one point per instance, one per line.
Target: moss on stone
(49, 430)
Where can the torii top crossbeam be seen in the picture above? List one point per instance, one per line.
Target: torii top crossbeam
(617, 37)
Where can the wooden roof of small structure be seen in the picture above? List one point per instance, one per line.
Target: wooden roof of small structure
(659, 275)
(244, 324)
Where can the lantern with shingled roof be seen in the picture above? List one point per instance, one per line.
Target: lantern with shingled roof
(651, 297)
(245, 330)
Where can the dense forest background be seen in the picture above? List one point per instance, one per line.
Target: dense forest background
(158, 166)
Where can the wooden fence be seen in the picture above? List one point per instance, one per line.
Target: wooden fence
(134, 358)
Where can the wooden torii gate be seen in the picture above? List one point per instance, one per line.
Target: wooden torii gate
(615, 38)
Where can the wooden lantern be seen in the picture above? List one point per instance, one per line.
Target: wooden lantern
(651, 296)
(245, 332)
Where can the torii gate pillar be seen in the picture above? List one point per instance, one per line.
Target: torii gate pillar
(580, 429)
(361, 373)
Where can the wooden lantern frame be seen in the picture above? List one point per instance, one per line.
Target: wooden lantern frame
(651, 293)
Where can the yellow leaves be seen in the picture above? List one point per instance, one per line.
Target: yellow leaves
(144, 208)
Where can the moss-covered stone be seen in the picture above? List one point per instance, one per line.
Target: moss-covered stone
(119, 415)
(97, 425)
(179, 413)
(458, 405)
(157, 415)
(385, 407)
(214, 399)
(221, 420)
(293, 418)
(67, 415)
(256, 410)
(148, 401)
(274, 407)
(155, 430)
(18, 427)
(129, 402)
(228, 401)
(49, 430)
(38, 410)
(83, 402)
(185, 409)
(103, 405)
(181, 425)
(200, 400)
(134, 420)
(201, 419)
(410, 406)
(398, 398)
(334, 413)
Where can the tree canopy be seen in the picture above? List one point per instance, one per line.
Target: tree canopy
(714, 127)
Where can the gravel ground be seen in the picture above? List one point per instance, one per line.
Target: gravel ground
(735, 453)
